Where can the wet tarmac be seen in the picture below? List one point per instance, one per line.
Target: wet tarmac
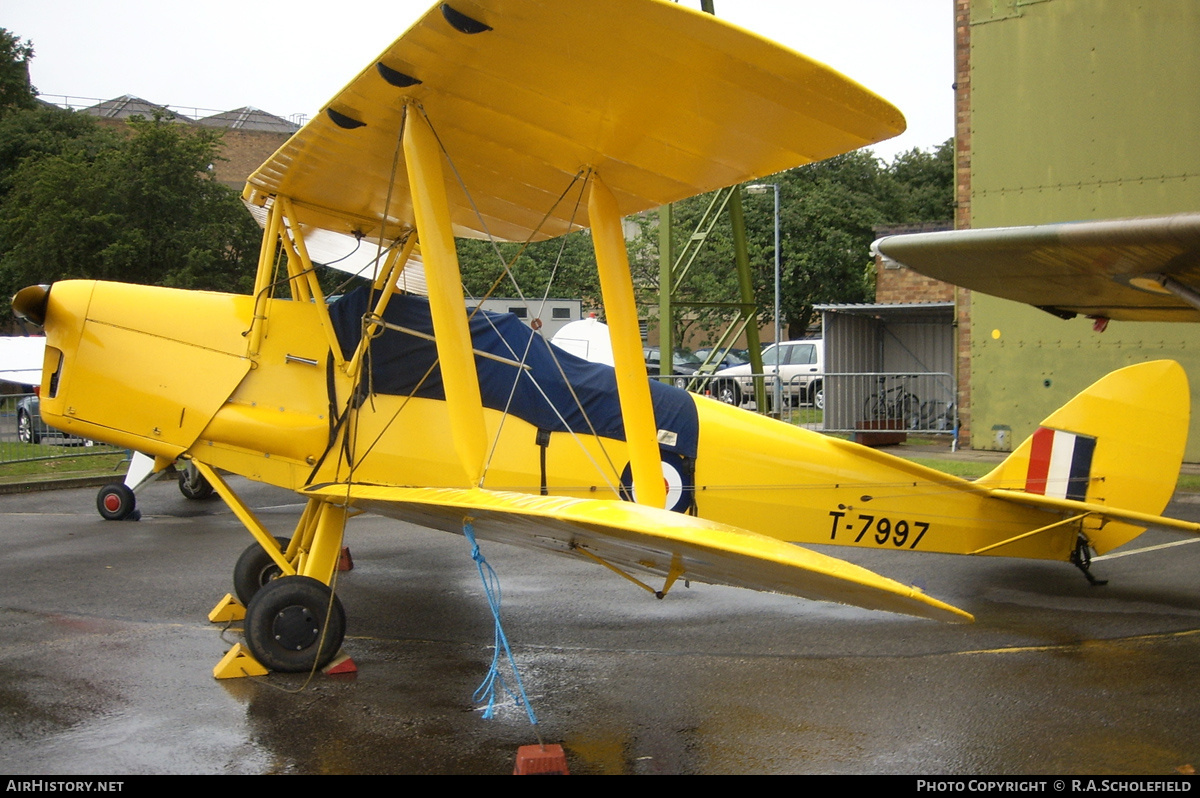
(106, 660)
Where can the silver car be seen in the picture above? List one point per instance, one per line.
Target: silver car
(799, 364)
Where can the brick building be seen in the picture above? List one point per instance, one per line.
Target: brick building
(249, 135)
(896, 284)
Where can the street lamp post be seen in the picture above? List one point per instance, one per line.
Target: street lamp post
(759, 188)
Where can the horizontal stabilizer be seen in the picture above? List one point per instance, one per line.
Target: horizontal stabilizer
(634, 537)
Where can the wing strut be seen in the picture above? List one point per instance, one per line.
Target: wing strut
(673, 575)
(423, 160)
(1037, 531)
(633, 386)
(262, 278)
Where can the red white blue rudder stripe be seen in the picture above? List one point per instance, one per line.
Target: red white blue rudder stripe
(1060, 464)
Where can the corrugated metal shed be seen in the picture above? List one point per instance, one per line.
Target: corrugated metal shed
(864, 342)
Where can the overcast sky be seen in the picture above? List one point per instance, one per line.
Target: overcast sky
(291, 57)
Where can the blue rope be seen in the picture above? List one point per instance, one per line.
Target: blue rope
(494, 678)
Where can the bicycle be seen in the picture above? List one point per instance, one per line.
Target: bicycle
(895, 404)
(937, 416)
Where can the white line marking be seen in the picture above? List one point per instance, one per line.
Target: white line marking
(1143, 551)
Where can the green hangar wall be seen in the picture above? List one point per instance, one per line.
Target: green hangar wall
(1076, 110)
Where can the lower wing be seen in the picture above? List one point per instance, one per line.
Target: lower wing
(629, 536)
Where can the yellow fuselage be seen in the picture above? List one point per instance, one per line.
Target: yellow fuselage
(170, 373)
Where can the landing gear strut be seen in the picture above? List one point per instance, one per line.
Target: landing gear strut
(293, 620)
(1081, 558)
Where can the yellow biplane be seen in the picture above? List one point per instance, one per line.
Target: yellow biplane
(524, 120)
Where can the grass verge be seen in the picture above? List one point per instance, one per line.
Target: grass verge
(61, 467)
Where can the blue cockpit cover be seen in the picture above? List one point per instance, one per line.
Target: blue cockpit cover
(398, 361)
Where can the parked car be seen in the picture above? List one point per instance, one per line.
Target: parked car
(799, 364)
(731, 358)
(31, 428)
(683, 365)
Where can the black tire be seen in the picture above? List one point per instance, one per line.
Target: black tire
(817, 395)
(194, 486)
(254, 570)
(873, 409)
(116, 502)
(295, 625)
(729, 393)
(26, 431)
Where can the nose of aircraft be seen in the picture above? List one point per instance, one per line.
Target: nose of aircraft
(30, 303)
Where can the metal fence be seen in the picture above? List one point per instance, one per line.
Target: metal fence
(24, 438)
(920, 402)
(913, 402)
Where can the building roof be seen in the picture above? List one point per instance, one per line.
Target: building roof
(128, 105)
(249, 118)
(909, 309)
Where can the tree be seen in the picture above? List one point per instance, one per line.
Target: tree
(15, 90)
(704, 271)
(85, 203)
(828, 215)
(40, 132)
(560, 267)
(925, 182)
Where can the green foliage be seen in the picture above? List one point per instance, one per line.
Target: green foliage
(926, 184)
(828, 215)
(15, 91)
(79, 201)
(563, 267)
(43, 132)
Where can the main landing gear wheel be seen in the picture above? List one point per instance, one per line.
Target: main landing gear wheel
(193, 485)
(116, 502)
(294, 625)
(254, 570)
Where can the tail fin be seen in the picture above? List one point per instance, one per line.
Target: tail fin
(1118, 444)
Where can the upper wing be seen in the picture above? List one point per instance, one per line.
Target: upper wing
(636, 537)
(1132, 269)
(666, 102)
